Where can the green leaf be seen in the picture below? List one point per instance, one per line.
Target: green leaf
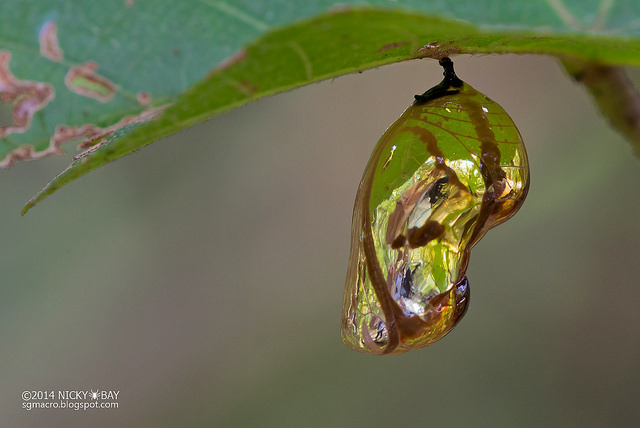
(122, 58)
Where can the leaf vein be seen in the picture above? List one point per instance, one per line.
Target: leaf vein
(238, 14)
(308, 67)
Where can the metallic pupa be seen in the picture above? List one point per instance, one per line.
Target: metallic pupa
(449, 169)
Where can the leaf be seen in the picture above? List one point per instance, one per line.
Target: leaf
(119, 59)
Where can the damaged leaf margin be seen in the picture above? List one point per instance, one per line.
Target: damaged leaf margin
(86, 160)
(83, 80)
(27, 98)
(49, 44)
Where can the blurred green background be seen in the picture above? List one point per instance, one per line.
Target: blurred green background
(202, 276)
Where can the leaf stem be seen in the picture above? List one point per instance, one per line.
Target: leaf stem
(615, 95)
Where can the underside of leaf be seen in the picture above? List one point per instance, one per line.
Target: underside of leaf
(343, 41)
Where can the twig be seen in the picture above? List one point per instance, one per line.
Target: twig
(613, 91)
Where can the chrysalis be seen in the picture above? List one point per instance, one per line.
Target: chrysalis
(449, 169)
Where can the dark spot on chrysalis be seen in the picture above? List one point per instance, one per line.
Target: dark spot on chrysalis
(398, 242)
(437, 191)
(421, 236)
(407, 282)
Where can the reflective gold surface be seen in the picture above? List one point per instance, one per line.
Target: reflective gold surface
(450, 168)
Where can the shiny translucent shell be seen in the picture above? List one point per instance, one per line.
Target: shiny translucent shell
(450, 168)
